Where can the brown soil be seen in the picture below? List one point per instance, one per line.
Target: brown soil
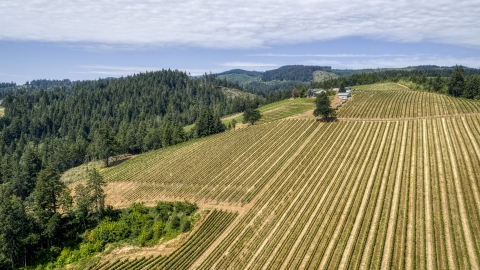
(428, 212)
(362, 210)
(114, 191)
(444, 205)
(388, 249)
(469, 241)
(351, 199)
(410, 244)
(375, 223)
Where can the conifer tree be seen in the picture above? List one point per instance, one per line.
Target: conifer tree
(46, 196)
(95, 184)
(323, 107)
(456, 82)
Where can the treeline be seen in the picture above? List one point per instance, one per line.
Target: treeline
(457, 81)
(53, 227)
(35, 85)
(95, 119)
(34, 230)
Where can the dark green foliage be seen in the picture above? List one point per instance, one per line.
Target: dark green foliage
(208, 124)
(472, 87)
(456, 83)
(251, 116)
(14, 230)
(98, 119)
(47, 191)
(175, 224)
(241, 71)
(186, 226)
(265, 88)
(46, 203)
(137, 224)
(341, 86)
(103, 145)
(323, 107)
(82, 205)
(94, 184)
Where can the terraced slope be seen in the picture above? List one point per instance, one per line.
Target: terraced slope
(389, 189)
(231, 167)
(398, 194)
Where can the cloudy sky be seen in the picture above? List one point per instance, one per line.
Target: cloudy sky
(83, 39)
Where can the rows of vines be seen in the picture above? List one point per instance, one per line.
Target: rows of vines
(220, 170)
(412, 201)
(404, 103)
(401, 192)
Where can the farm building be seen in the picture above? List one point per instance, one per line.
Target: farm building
(316, 91)
(344, 95)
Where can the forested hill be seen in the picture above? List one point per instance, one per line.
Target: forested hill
(292, 73)
(94, 119)
(241, 72)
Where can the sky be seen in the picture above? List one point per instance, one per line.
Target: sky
(83, 39)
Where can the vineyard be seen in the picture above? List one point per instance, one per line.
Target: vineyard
(395, 187)
(394, 101)
(221, 169)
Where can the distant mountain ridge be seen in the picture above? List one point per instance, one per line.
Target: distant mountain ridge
(304, 73)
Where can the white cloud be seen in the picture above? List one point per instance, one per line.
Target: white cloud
(343, 55)
(127, 24)
(12, 75)
(248, 64)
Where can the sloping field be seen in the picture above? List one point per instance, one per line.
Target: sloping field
(383, 195)
(394, 101)
(279, 110)
(399, 193)
(230, 167)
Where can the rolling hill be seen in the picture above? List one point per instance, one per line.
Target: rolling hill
(392, 184)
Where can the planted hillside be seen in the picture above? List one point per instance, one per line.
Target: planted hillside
(394, 101)
(394, 188)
